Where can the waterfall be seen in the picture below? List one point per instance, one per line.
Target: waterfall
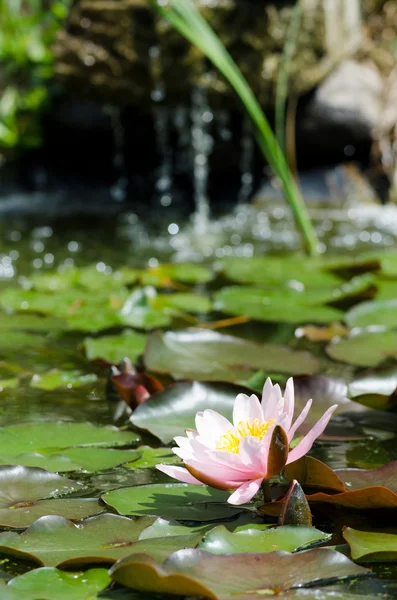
(202, 142)
(118, 191)
(246, 161)
(161, 118)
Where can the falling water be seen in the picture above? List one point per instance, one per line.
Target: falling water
(118, 190)
(246, 161)
(202, 142)
(161, 118)
(181, 124)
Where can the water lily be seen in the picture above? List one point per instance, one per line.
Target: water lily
(236, 456)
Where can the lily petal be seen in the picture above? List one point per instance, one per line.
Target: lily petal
(245, 492)
(179, 473)
(247, 408)
(211, 426)
(271, 396)
(307, 442)
(299, 420)
(289, 402)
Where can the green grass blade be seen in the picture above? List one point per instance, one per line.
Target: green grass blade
(185, 17)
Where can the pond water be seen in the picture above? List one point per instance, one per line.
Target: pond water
(46, 320)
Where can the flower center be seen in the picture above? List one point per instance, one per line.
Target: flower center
(230, 441)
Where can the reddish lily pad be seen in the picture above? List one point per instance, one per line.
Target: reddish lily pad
(25, 494)
(54, 541)
(199, 573)
(210, 355)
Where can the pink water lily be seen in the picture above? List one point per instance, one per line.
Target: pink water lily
(235, 456)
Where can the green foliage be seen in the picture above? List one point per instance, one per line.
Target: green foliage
(26, 63)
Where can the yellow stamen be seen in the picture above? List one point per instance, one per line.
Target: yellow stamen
(230, 441)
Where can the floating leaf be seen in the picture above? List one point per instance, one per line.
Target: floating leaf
(36, 437)
(114, 348)
(173, 500)
(168, 413)
(165, 275)
(8, 383)
(209, 355)
(383, 313)
(20, 340)
(48, 583)
(312, 473)
(162, 528)
(150, 457)
(54, 541)
(289, 271)
(365, 348)
(137, 310)
(56, 379)
(376, 389)
(87, 459)
(187, 302)
(24, 493)
(370, 546)
(322, 334)
(289, 538)
(199, 573)
(279, 307)
(160, 548)
(30, 322)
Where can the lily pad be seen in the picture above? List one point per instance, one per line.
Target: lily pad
(160, 548)
(57, 379)
(279, 271)
(383, 313)
(54, 541)
(187, 302)
(48, 583)
(365, 348)
(370, 546)
(168, 413)
(150, 457)
(114, 348)
(138, 311)
(89, 459)
(173, 500)
(210, 355)
(274, 306)
(199, 573)
(20, 340)
(58, 435)
(165, 275)
(376, 389)
(162, 528)
(24, 493)
(289, 538)
(9, 383)
(30, 322)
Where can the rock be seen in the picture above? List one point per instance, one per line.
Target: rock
(108, 49)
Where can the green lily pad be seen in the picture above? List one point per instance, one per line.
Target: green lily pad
(54, 541)
(173, 500)
(272, 270)
(48, 583)
(383, 313)
(138, 311)
(187, 302)
(210, 355)
(160, 548)
(365, 348)
(88, 459)
(57, 379)
(289, 538)
(54, 436)
(19, 341)
(24, 493)
(170, 412)
(387, 290)
(370, 546)
(164, 275)
(114, 348)
(150, 457)
(30, 322)
(11, 383)
(277, 306)
(162, 528)
(375, 389)
(199, 573)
